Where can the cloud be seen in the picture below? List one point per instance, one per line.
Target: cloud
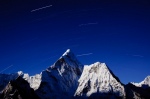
(94, 23)
(6, 68)
(84, 54)
(41, 8)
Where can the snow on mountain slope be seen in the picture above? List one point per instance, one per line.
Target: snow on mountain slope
(63, 74)
(98, 79)
(34, 81)
(61, 79)
(145, 83)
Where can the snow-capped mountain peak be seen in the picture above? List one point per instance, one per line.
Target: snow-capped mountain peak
(147, 80)
(69, 57)
(20, 73)
(67, 60)
(62, 77)
(97, 78)
(67, 52)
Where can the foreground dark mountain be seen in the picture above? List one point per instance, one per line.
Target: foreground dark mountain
(5, 78)
(134, 92)
(18, 89)
(68, 78)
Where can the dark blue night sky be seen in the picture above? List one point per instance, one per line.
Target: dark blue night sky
(114, 32)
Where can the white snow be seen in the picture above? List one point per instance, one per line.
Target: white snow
(97, 78)
(35, 81)
(66, 53)
(20, 72)
(60, 79)
(145, 82)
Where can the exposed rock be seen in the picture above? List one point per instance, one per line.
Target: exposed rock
(18, 89)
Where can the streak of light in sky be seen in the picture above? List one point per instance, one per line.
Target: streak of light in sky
(6, 68)
(41, 8)
(84, 54)
(88, 24)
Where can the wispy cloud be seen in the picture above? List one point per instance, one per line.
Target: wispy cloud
(93, 23)
(41, 8)
(6, 68)
(84, 54)
(138, 56)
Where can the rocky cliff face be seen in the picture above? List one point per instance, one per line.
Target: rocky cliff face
(134, 92)
(5, 78)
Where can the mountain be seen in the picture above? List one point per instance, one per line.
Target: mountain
(145, 83)
(18, 89)
(61, 79)
(134, 92)
(5, 78)
(68, 78)
(139, 90)
(98, 81)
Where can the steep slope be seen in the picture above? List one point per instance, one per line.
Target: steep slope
(139, 90)
(61, 79)
(145, 83)
(134, 92)
(5, 78)
(34, 81)
(97, 81)
(18, 89)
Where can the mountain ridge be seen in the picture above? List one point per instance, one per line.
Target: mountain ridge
(68, 78)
